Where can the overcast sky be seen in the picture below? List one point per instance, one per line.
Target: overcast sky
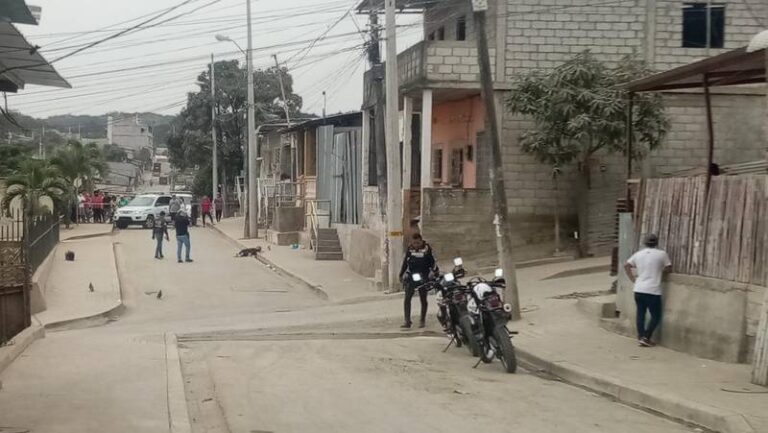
(153, 69)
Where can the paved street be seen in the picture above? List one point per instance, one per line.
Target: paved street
(260, 353)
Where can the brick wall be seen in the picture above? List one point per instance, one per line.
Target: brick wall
(743, 19)
(454, 61)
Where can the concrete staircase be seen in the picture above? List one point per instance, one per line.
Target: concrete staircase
(328, 245)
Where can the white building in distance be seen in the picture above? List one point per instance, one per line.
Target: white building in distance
(129, 133)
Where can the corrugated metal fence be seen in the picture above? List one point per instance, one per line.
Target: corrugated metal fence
(339, 172)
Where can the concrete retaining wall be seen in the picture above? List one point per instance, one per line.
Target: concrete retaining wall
(459, 223)
(288, 219)
(363, 251)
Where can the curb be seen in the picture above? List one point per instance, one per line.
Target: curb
(638, 396)
(178, 414)
(84, 321)
(280, 270)
(21, 341)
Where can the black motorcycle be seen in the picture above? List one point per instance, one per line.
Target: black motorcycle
(489, 315)
(452, 312)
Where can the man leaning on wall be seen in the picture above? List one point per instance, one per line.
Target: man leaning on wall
(645, 269)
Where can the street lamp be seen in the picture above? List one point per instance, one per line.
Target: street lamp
(247, 150)
(223, 38)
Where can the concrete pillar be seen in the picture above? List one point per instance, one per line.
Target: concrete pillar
(407, 140)
(426, 147)
(426, 139)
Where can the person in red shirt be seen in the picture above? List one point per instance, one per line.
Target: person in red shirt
(205, 209)
(97, 202)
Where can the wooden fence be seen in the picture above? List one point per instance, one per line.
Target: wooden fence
(722, 236)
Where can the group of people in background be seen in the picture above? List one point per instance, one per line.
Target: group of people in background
(98, 207)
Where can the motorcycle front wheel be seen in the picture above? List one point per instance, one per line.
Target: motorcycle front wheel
(466, 329)
(506, 349)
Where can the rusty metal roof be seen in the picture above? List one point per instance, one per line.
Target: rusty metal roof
(728, 69)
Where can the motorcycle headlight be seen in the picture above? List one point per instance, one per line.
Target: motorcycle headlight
(416, 277)
(449, 277)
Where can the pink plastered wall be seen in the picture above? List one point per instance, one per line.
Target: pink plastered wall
(455, 125)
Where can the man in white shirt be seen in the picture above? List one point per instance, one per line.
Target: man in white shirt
(646, 268)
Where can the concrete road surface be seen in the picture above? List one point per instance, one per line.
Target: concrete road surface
(116, 377)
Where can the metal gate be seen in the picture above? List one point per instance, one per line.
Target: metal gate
(15, 314)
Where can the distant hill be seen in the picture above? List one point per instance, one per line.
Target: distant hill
(88, 126)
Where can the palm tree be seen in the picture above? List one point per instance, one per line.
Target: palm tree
(79, 165)
(33, 181)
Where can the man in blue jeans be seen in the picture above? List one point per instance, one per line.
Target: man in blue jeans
(159, 231)
(646, 268)
(182, 235)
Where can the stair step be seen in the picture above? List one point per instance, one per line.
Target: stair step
(327, 231)
(328, 256)
(328, 244)
(322, 249)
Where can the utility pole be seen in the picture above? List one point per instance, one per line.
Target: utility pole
(215, 172)
(498, 192)
(253, 231)
(282, 89)
(294, 156)
(394, 197)
(374, 56)
(325, 101)
(41, 150)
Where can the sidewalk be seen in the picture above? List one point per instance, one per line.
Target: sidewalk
(556, 338)
(68, 296)
(332, 279)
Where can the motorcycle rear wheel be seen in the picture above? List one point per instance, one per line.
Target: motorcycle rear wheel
(507, 350)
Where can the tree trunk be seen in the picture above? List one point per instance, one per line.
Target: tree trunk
(583, 209)
(557, 213)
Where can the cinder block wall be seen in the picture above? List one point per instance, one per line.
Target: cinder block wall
(542, 37)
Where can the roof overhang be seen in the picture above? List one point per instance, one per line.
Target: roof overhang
(17, 11)
(403, 6)
(22, 64)
(728, 69)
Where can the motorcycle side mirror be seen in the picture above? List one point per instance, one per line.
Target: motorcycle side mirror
(416, 277)
(458, 262)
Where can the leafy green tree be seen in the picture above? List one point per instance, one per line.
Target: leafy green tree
(34, 180)
(579, 109)
(79, 165)
(114, 153)
(189, 143)
(11, 157)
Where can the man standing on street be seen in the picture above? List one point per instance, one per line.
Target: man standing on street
(182, 235)
(159, 231)
(645, 269)
(218, 206)
(418, 260)
(174, 206)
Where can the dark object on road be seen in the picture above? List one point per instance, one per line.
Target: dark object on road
(249, 252)
(160, 294)
(69, 256)
(90, 287)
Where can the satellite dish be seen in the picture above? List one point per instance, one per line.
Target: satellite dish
(759, 42)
